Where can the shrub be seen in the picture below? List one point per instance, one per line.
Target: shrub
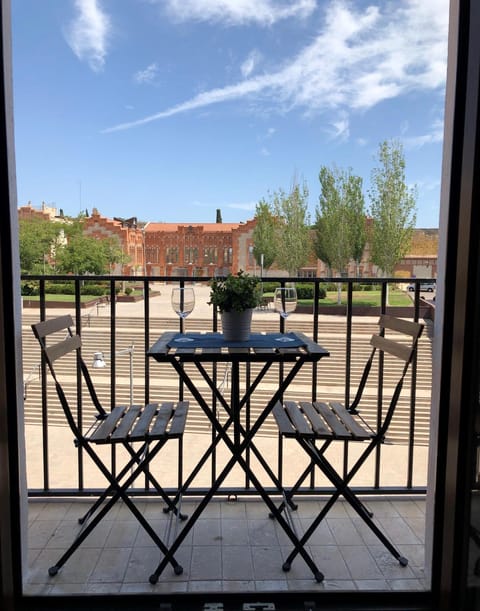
(322, 293)
(305, 291)
(29, 288)
(269, 287)
(128, 290)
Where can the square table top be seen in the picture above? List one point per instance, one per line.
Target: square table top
(214, 347)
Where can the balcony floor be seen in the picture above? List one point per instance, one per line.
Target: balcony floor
(233, 547)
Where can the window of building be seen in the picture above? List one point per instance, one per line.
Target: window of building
(191, 254)
(307, 273)
(172, 254)
(209, 255)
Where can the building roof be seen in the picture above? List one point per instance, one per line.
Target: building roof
(207, 227)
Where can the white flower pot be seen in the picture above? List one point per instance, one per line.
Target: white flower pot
(236, 325)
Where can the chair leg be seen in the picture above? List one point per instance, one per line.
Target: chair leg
(342, 489)
(118, 491)
(136, 459)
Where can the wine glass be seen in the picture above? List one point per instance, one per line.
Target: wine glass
(285, 302)
(183, 302)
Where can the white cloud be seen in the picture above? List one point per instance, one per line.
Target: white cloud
(264, 152)
(88, 33)
(357, 60)
(238, 12)
(433, 136)
(404, 127)
(243, 206)
(428, 184)
(341, 128)
(146, 76)
(249, 65)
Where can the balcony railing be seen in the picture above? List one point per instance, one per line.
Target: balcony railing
(56, 468)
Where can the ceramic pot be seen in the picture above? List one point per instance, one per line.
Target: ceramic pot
(236, 325)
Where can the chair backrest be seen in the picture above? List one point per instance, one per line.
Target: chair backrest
(403, 347)
(57, 340)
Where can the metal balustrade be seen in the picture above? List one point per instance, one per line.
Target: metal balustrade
(105, 328)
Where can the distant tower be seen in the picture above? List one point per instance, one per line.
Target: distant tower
(219, 215)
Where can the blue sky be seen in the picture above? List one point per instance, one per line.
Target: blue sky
(170, 109)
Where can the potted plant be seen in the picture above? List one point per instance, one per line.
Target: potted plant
(235, 297)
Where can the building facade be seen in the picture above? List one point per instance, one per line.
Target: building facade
(210, 249)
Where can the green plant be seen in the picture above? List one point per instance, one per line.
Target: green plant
(236, 292)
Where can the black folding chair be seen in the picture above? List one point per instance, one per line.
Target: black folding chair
(328, 422)
(141, 430)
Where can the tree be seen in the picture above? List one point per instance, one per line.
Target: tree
(340, 234)
(36, 240)
(83, 255)
(264, 235)
(114, 252)
(292, 237)
(219, 216)
(392, 208)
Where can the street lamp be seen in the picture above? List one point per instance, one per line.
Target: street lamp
(32, 376)
(99, 363)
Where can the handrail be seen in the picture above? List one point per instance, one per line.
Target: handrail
(111, 328)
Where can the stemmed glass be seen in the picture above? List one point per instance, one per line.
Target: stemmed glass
(285, 302)
(183, 302)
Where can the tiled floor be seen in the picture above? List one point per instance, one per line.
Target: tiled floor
(233, 547)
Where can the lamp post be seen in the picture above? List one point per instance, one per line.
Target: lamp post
(99, 363)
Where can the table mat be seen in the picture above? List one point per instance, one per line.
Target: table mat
(216, 340)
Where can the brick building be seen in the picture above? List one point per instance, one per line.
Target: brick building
(208, 249)
(130, 238)
(198, 249)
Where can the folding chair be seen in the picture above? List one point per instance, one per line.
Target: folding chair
(148, 427)
(328, 422)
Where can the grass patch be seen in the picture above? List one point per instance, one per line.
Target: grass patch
(62, 298)
(363, 298)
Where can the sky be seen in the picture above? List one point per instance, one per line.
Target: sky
(168, 110)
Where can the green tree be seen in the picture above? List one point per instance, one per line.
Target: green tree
(293, 245)
(392, 208)
(114, 252)
(82, 255)
(340, 234)
(264, 235)
(36, 239)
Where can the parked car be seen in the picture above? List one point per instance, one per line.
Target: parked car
(424, 286)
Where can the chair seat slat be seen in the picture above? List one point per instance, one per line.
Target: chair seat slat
(317, 423)
(125, 424)
(104, 430)
(298, 419)
(338, 429)
(142, 425)
(163, 416)
(178, 420)
(283, 421)
(349, 421)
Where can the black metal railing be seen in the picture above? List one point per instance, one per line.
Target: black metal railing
(103, 320)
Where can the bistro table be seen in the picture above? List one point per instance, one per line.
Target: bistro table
(265, 349)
